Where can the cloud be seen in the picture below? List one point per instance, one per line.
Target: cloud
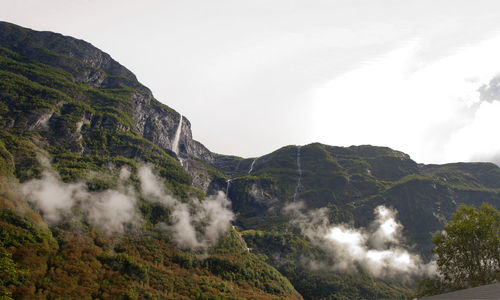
(153, 188)
(490, 92)
(406, 102)
(386, 228)
(475, 142)
(111, 210)
(193, 224)
(53, 197)
(379, 249)
(217, 215)
(108, 210)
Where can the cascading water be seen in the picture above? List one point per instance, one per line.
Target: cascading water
(251, 166)
(175, 143)
(227, 187)
(299, 171)
(299, 183)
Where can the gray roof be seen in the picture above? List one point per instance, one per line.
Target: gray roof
(491, 291)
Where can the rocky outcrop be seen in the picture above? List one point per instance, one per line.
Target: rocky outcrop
(158, 123)
(88, 65)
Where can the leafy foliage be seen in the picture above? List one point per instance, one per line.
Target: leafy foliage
(65, 264)
(469, 249)
(350, 182)
(308, 268)
(57, 103)
(64, 99)
(8, 273)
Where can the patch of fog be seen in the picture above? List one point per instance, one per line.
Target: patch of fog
(194, 224)
(53, 197)
(379, 248)
(212, 214)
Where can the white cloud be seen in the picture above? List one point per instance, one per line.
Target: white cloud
(256, 66)
(379, 249)
(403, 102)
(476, 141)
(193, 224)
(51, 196)
(212, 215)
(108, 210)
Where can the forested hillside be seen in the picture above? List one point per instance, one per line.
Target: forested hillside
(105, 194)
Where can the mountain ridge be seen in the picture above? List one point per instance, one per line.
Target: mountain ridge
(64, 99)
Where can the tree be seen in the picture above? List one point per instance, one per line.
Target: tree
(468, 250)
(8, 273)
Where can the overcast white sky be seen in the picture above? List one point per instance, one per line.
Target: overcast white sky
(255, 75)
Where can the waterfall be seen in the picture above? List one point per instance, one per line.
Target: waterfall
(251, 166)
(175, 143)
(227, 187)
(298, 186)
(299, 172)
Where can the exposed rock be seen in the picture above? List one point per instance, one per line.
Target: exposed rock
(91, 66)
(158, 123)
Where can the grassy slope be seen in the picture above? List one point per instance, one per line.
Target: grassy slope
(350, 182)
(325, 183)
(73, 260)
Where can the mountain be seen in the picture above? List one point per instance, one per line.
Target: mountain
(355, 180)
(134, 208)
(68, 107)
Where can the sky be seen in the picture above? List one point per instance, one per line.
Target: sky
(253, 76)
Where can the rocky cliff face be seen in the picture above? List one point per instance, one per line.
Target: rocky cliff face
(85, 65)
(159, 123)
(351, 182)
(67, 108)
(64, 97)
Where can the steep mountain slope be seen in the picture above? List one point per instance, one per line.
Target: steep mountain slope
(352, 182)
(81, 123)
(67, 108)
(349, 183)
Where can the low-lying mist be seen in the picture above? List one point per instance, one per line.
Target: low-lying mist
(379, 248)
(213, 214)
(193, 224)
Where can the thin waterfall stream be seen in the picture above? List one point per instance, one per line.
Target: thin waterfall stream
(299, 184)
(175, 143)
(251, 166)
(299, 179)
(228, 183)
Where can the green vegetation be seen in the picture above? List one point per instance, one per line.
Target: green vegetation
(8, 273)
(350, 183)
(65, 104)
(468, 251)
(309, 269)
(36, 265)
(467, 176)
(57, 109)
(89, 128)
